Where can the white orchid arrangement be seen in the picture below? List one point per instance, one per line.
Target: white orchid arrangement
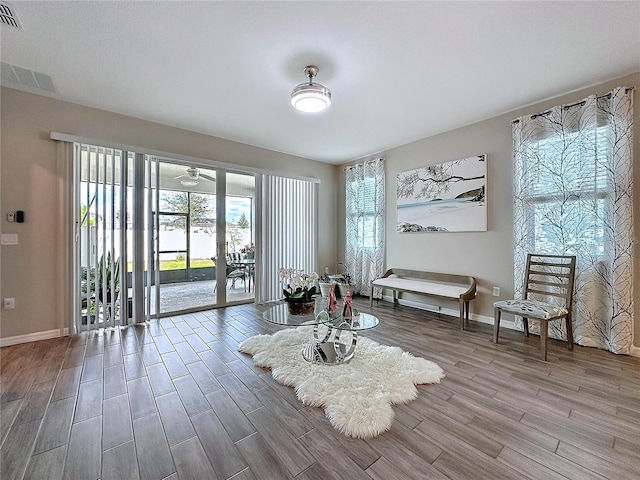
(298, 286)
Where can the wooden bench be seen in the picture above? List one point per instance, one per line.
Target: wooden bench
(441, 285)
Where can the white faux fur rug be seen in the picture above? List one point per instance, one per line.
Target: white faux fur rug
(356, 396)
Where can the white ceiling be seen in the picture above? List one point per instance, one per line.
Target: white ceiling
(398, 71)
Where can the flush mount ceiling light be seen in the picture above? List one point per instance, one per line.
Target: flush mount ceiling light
(311, 97)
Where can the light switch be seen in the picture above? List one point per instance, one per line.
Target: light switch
(9, 239)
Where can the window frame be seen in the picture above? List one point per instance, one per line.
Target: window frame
(601, 187)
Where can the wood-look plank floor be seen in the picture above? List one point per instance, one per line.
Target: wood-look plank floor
(175, 400)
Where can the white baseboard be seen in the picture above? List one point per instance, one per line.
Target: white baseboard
(452, 312)
(33, 337)
(635, 351)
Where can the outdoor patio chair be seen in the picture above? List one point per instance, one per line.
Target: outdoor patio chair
(234, 273)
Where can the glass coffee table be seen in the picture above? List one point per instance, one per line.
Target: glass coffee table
(330, 347)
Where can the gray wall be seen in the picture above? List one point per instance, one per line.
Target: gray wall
(488, 256)
(30, 182)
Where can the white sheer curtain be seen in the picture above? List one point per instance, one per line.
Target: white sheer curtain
(364, 255)
(289, 231)
(573, 195)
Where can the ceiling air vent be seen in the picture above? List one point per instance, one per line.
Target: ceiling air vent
(8, 15)
(14, 76)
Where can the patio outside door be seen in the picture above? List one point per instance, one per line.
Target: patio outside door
(149, 233)
(203, 213)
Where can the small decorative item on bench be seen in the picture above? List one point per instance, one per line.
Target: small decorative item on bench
(298, 290)
(443, 285)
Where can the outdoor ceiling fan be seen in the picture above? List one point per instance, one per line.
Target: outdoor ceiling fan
(193, 175)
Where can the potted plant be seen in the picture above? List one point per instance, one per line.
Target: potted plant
(325, 284)
(108, 282)
(298, 290)
(345, 284)
(249, 251)
(96, 282)
(346, 289)
(108, 277)
(88, 285)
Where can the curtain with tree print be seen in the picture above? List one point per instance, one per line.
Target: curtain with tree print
(573, 196)
(364, 253)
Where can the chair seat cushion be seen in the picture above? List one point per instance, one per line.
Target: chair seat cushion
(236, 273)
(531, 309)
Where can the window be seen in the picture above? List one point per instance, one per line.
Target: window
(573, 195)
(364, 255)
(565, 185)
(362, 213)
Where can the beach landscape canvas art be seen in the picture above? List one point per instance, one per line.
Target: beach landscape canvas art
(446, 197)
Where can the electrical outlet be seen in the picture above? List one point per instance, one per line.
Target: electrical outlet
(496, 291)
(9, 303)
(8, 238)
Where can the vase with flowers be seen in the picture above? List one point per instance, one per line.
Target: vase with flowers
(298, 289)
(249, 251)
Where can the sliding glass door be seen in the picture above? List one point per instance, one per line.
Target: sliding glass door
(155, 237)
(239, 239)
(186, 237)
(205, 237)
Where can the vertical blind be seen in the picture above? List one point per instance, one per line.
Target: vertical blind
(107, 191)
(99, 248)
(290, 230)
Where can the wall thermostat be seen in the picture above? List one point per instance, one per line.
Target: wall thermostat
(20, 216)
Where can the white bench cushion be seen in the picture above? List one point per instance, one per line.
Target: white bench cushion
(422, 286)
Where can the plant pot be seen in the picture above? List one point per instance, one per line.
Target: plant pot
(301, 308)
(91, 318)
(326, 288)
(346, 289)
(100, 296)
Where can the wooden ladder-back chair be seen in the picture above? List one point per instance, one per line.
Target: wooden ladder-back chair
(545, 276)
